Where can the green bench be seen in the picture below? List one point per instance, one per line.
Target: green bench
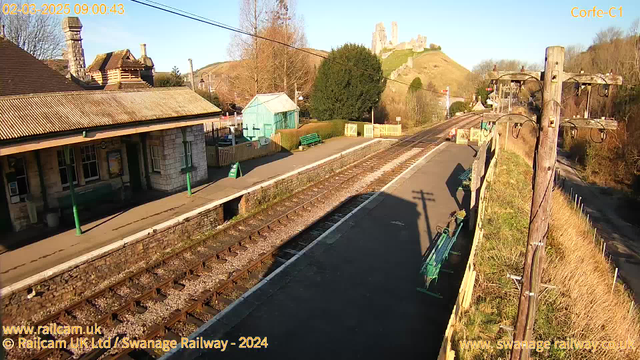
(465, 177)
(310, 139)
(432, 265)
(88, 196)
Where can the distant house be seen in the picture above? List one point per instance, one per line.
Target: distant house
(57, 138)
(266, 113)
(121, 70)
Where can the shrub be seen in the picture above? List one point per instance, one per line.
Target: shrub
(290, 138)
(458, 106)
(415, 85)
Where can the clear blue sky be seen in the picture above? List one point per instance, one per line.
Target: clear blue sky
(468, 31)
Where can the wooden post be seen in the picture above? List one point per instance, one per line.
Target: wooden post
(193, 84)
(506, 138)
(615, 277)
(545, 161)
(475, 170)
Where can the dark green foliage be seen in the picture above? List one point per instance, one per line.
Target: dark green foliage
(172, 79)
(458, 106)
(211, 97)
(290, 138)
(482, 93)
(349, 83)
(416, 84)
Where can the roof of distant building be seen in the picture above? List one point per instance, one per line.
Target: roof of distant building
(22, 73)
(121, 59)
(39, 114)
(276, 102)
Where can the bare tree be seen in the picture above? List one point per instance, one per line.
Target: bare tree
(38, 34)
(246, 48)
(608, 35)
(265, 66)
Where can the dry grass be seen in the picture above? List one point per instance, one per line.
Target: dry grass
(582, 306)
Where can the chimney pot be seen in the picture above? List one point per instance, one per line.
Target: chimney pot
(143, 50)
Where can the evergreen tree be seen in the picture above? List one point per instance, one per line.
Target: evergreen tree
(415, 85)
(349, 83)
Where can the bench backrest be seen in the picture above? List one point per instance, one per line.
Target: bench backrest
(310, 138)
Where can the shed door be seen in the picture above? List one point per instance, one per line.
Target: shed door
(268, 130)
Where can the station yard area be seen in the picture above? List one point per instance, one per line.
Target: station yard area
(28, 253)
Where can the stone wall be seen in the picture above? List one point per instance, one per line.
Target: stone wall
(397, 72)
(170, 177)
(96, 274)
(284, 187)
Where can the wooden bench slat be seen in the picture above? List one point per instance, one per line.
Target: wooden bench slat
(310, 139)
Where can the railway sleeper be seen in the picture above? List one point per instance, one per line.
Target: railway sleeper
(194, 320)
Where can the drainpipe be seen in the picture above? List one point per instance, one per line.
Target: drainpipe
(186, 160)
(70, 173)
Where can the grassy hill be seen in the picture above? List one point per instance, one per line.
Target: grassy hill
(227, 67)
(431, 66)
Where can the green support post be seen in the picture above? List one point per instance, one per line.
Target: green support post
(186, 160)
(70, 173)
(189, 182)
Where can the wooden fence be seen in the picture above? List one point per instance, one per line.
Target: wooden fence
(476, 216)
(223, 156)
(351, 130)
(379, 130)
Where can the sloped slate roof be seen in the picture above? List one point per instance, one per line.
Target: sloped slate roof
(276, 103)
(114, 60)
(22, 73)
(39, 114)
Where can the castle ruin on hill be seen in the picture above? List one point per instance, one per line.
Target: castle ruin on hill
(379, 40)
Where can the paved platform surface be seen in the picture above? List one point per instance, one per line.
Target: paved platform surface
(353, 295)
(20, 261)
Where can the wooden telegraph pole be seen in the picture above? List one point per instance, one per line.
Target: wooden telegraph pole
(544, 170)
(545, 160)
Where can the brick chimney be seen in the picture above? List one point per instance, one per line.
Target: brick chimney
(74, 54)
(149, 69)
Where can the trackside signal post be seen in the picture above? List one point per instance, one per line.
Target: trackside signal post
(544, 170)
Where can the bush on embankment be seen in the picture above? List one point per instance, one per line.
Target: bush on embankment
(582, 307)
(290, 138)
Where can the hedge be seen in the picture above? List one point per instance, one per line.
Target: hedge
(290, 138)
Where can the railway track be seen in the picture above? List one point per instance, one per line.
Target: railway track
(173, 297)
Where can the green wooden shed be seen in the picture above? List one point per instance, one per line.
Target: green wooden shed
(266, 113)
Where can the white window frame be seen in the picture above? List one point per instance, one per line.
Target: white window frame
(189, 153)
(92, 154)
(156, 158)
(72, 157)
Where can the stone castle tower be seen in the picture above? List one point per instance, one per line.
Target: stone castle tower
(74, 53)
(379, 39)
(394, 34)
